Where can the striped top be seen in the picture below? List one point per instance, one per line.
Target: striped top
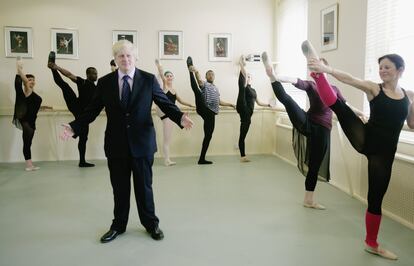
(211, 96)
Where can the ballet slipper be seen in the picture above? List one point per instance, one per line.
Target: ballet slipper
(314, 205)
(31, 168)
(169, 163)
(189, 62)
(242, 61)
(308, 51)
(268, 66)
(244, 159)
(381, 252)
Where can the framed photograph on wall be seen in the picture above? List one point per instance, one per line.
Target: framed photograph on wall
(329, 31)
(130, 35)
(18, 42)
(65, 43)
(170, 45)
(219, 47)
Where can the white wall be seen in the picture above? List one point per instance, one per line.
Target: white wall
(350, 55)
(249, 22)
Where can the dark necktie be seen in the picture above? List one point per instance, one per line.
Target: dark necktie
(126, 92)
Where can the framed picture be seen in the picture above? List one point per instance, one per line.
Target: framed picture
(130, 35)
(219, 47)
(65, 43)
(18, 42)
(170, 45)
(329, 23)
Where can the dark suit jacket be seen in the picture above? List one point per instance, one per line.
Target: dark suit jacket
(128, 132)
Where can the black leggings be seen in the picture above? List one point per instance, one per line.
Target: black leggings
(83, 138)
(206, 114)
(379, 162)
(244, 112)
(70, 97)
(317, 135)
(73, 104)
(28, 133)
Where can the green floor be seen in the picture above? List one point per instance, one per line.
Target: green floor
(227, 214)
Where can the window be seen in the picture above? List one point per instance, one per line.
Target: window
(390, 30)
(291, 21)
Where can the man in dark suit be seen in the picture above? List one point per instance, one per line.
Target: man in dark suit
(127, 95)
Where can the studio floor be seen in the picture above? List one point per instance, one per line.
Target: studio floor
(225, 214)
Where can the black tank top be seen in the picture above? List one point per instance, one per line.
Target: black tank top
(386, 120)
(171, 96)
(251, 96)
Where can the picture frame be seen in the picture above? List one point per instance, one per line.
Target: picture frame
(220, 47)
(329, 28)
(18, 41)
(65, 43)
(170, 45)
(130, 35)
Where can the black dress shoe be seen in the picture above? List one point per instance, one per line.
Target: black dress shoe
(52, 57)
(156, 233)
(109, 236)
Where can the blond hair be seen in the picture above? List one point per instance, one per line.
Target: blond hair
(123, 45)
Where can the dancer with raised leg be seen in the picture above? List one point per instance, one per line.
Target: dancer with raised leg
(86, 89)
(26, 107)
(168, 125)
(390, 106)
(246, 98)
(311, 130)
(207, 99)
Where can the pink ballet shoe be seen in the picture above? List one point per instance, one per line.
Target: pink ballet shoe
(308, 51)
(244, 159)
(32, 168)
(314, 205)
(381, 252)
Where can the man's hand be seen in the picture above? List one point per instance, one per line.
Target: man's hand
(66, 133)
(186, 121)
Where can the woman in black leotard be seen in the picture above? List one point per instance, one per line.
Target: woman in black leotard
(25, 111)
(390, 106)
(246, 98)
(167, 86)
